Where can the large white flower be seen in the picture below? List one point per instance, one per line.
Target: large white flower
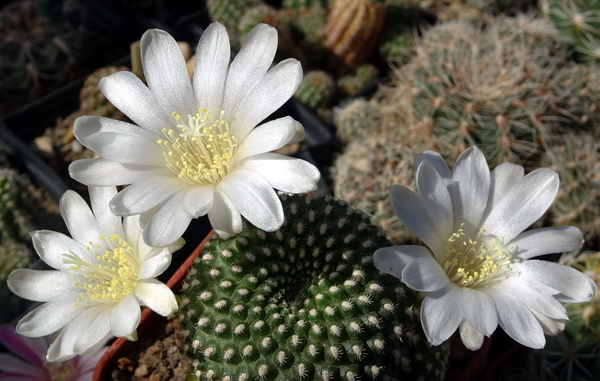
(477, 271)
(103, 275)
(195, 149)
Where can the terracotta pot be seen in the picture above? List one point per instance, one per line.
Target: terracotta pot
(149, 319)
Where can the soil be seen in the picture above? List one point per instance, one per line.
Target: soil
(158, 356)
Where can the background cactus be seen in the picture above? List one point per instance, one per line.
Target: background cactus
(317, 91)
(302, 302)
(23, 208)
(229, 13)
(576, 158)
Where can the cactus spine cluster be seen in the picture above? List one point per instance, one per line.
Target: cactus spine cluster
(304, 302)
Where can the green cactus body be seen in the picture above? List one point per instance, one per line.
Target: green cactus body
(316, 90)
(304, 302)
(578, 21)
(355, 120)
(22, 209)
(363, 75)
(576, 158)
(487, 86)
(301, 5)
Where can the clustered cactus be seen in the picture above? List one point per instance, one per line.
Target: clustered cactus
(304, 302)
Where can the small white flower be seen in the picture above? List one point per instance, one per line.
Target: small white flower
(477, 271)
(103, 275)
(194, 148)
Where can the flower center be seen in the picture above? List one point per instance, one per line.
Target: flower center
(469, 262)
(61, 371)
(112, 277)
(197, 152)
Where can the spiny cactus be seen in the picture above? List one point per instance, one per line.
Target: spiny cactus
(304, 302)
(579, 23)
(576, 158)
(355, 119)
(487, 85)
(366, 170)
(23, 208)
(353, 27)
(229, 13)
(316, 90)
(91, 99)
(363, 75)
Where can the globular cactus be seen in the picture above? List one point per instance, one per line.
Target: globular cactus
(317, 89)
(301, 5)
(363, 75)
(579, 24)
(353, 28)
(356, 119)
(487, 84)
(304, 302)
(23, 208)
(364, 172)
(576, 158)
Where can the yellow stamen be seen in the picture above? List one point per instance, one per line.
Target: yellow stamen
(197, 152)
(112, 277)
(468, 262)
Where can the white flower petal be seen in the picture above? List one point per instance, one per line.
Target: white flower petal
(41, 286)
(144, 195)
(517, 320)
(132, 231)
(471, 338)
(436, 199)
(524, 203)
(119, 141)
(155, 263)
(543, 241)
(393, 260)
(410, 210)
(125, 317)
(480, 311)
(270, 136)
(51, 246)
(437, 161)
(441, 313)
(571, 285)
(198, 200)
(108, 222)
(90, 324)
(224, 217)
(156, 296)
(79, 218)
(502, 179)
(166, 73)
(127, 93)
(102, 173)
(472, 177)
(271, 92)
(254, 197)
(249, 66)
(210, 68)
(284, 173)
(168, 222)
(550, 326)
(424, 274)
(48, 318)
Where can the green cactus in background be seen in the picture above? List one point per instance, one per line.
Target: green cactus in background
(579, 24)
(317, 91)
(363, 75)
(301, 5)
(304, 302)
(356, 119)
(576, 158)
(487, 84)
(23, 208)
